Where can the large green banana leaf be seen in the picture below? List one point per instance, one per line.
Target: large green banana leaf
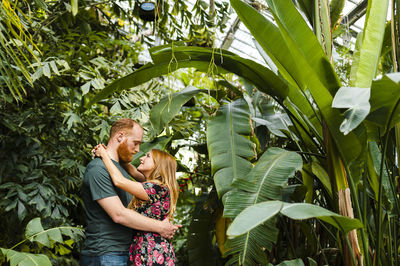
(275, 120)
(253, 216)
(306, 42)
(228, 147)
(385, 101)
(307, 6)
(259, 213)
(248, 249)
(271, 41)
(300, 211)
(167, 59)
(168, 107)
(269, 38)
(355, 59)
(370, 51)
(270, 174)
(315, 75)
(263, 78)
(322, 26)
(264, 182)
(303, 124)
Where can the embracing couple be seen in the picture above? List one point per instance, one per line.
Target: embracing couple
(114, 204)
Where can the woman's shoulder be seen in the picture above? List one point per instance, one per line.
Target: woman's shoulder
(155, 184)
(153, 187)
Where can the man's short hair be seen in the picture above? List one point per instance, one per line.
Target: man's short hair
(122, 125)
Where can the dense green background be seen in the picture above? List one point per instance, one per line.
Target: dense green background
(261, 150)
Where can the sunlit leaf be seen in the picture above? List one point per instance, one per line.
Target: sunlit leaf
(301, 211)
(168, 107)
(74, 7)
(46, 70)
(253, 216)
(356, 101)
(85, 88)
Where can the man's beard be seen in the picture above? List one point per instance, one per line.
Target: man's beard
(124, 155)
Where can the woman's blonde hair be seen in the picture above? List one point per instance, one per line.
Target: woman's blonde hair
(164, 173)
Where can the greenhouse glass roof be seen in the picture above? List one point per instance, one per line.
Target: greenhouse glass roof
(237, 38)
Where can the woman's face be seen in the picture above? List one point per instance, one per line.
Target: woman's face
(146, 164)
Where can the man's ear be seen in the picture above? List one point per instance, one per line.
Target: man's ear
(120, 137)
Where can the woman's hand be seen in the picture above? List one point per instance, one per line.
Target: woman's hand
(99, 150)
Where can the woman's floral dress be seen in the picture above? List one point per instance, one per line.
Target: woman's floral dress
(151, 248)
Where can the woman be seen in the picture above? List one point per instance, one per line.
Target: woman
(155, 198)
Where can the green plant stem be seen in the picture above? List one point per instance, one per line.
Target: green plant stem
(396, 252)
(393, 189)
(19, 243)
(393, 30)
(379, 224)
(312, 154)
(319, 244)
(390, 241)
(356, 203)
(365, 211)
(291, 240)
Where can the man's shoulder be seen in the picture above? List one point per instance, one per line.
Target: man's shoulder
(96, 165)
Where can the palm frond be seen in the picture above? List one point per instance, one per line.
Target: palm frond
(16, 49)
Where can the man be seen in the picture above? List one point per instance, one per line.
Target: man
(109, 222)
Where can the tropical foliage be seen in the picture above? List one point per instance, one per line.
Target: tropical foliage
(279, 155)
(46, 134)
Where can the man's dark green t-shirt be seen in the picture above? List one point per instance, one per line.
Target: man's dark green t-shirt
(102, 234)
